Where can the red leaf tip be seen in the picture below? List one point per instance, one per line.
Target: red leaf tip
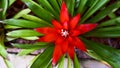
(53, 62)
(64, 16)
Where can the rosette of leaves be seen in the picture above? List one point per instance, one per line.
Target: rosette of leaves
(92, 11)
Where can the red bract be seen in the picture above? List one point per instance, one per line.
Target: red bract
(64, 34)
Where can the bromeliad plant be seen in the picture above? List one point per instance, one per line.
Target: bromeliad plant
(58, 29)
(64, 34)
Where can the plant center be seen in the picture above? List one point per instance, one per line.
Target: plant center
(64, 32)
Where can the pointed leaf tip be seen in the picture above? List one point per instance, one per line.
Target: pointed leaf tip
(56, 24)
(80, 45)
(64, 16)
(53, 64)
(71, 52)
(86, 27)
(56, 54)
(74, 21)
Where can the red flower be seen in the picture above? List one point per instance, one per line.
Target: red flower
(64, 34)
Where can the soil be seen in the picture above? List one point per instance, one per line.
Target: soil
(18, 5)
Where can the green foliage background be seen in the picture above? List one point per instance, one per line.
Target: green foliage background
(92, 11)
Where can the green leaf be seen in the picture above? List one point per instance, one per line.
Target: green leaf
(10, 38)
(31, 38)
(55, 5)
(39, 10)
(30, 46)
(3, 7)
(3, 51)
(50, 65)
(11, 2)
(37, 20)
(21, 13)
(48, 7)
(90, 3)
(23, 33)
(114, 21)
(43, 60)
(105, 32)
(81, 6)
(95, 6)
(103, 13)
(109, 28)
(9, 64)
(106, 53)
(11, 27)
(22, 23)
(93, 54)
(88, 14)
(26, 51)
(112, 15)
(32, 61)
(61, 62)
(70, 6)
(76, 62)
(69, 62)
(59, 2)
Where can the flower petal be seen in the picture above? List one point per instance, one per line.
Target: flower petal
(86, 27)
(56, 54)
(64, 46)
(56, 24)
(48, 38)
(74, 32)
(64, 13)
(71, 51)
(74, 21)
(45, 30)
(79, 44)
